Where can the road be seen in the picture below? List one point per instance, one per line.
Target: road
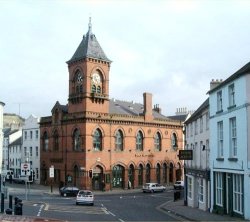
(136, 206)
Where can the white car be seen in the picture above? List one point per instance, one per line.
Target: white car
(85, 197)
(153, 187)
(179, 184)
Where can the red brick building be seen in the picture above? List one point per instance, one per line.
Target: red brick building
(94, 138)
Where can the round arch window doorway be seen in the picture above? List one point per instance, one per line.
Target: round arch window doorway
(118, 176)
(97, 178)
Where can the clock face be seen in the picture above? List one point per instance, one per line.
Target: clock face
(96, 78)
(79, 78)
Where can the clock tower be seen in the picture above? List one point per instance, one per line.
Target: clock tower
(89, 77)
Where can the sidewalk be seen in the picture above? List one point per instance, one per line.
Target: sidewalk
(194, 214)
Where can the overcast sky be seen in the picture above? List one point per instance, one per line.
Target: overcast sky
(172, 49)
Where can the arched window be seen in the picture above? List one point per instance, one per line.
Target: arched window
(96, 82)
(164, 173)
(140, 175)
(97, 140)
(45, 141)
(148, 169)
(76, 140)
(99, 89)
(158, 173)
(174, 141)
(55, 141)
(139, 141)
(157, 141)
(78, 80)
(93, 89)
(119, 140)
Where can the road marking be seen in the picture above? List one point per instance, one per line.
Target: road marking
(111, 213)
(121, 220)
(77, 209)
(40, 210)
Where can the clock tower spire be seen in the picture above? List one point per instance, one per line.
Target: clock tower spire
(89, 76)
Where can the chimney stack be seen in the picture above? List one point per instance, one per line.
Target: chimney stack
(147, 102)
(214, 83)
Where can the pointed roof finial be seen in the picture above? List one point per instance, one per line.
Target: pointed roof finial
(90, 25)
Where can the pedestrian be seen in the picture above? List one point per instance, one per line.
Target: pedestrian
(129, 184)
(103, 185)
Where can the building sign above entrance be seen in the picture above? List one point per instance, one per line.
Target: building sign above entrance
(185, 155)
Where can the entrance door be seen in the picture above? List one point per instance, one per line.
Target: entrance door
(131, 173)
(118, 176)
(97, 178)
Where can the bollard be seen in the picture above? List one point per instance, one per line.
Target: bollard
(2, 202)
(16, 200)
(18, 210)
(10, 201)
(8, 211)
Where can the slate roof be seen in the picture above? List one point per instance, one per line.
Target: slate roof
(198, 112)
(18, 141)
(130, 108)
(89, 48)
(244, 70)
(63, 108)
(179, 117)
(8, 131)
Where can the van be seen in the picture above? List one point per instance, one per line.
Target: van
(179, 184)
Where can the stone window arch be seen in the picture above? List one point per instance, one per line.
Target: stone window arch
(45, 139)
(139, 141)
(55, 141)
(97, 140)
(157, 141)
(76, 140)
(119, 140)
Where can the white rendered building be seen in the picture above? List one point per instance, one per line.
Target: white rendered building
(15, 153)
(9, 137)
(229, 107)
(1, 134)
(197, 171)
(31, 145)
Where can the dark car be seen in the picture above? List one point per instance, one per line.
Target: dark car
(69, 191)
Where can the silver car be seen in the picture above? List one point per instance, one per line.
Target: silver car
(153, 187)
(85, 197)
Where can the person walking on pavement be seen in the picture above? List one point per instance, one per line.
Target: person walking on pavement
(129, 184)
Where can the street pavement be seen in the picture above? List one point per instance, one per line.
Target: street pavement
(175, 208)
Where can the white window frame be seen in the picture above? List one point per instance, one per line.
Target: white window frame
(231, 95)
(201, 124)
(220, 138)
(238, 193)
(219, 101)
(218, 189)
(196, 127)
(190, 185)
(37, 134)
(233, 136)
(201, 191)
(207, 121)
(191, 131)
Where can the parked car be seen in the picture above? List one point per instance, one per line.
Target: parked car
(153, 187)
(69, 191)
(179, 184)
(85, 197)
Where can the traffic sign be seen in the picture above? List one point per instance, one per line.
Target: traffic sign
(25, 169)
(51, 172)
